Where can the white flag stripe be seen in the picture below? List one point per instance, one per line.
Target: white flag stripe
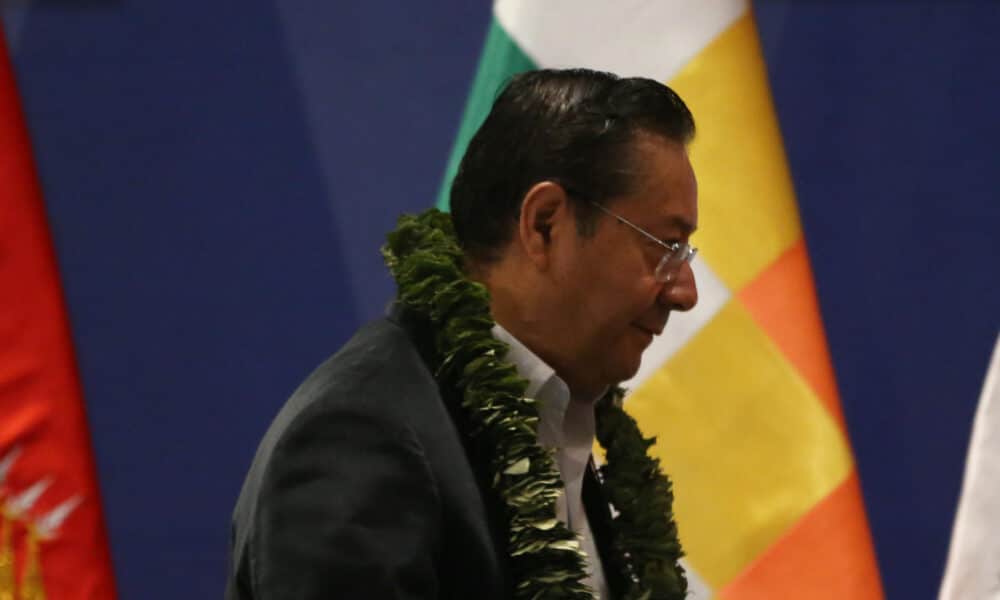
(697, 588)
(649, 38)
(973, 569)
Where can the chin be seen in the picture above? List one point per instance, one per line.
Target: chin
(624, 369)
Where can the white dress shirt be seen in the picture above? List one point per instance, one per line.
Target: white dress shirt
(567, 425)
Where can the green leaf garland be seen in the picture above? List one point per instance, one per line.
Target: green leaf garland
(545, 557)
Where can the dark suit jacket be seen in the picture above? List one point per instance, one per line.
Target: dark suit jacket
(363, 487)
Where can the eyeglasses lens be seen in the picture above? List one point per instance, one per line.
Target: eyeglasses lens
(672, 262)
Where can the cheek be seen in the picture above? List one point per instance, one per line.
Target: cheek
(603, 287)
(615, 312)
(622, 288)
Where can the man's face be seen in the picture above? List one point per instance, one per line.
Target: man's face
(608, 304)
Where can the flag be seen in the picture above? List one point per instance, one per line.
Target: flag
(740, 391)
(973, 568)
(52, 537)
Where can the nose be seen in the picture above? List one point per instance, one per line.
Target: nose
(682, 292)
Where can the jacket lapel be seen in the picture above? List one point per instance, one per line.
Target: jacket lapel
(599, 517)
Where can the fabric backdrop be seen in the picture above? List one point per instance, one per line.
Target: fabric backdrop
(218, 178)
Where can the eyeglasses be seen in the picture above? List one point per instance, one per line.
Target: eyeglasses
(675, 255)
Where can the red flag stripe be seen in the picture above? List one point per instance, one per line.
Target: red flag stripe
(49, 498)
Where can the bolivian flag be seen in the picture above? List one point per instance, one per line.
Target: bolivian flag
(739, 392)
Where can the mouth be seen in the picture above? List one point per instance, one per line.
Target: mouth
(650, 330)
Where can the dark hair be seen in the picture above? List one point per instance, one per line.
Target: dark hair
(575, 127)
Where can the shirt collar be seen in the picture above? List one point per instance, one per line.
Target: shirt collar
(560, 424)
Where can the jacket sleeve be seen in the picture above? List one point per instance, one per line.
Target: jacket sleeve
(347, 509)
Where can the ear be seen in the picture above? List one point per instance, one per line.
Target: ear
(544, 212)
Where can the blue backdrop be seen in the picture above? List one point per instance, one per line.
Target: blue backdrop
(219, 177)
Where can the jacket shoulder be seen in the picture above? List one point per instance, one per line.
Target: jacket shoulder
(378, 376)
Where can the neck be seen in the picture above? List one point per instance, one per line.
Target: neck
(515, 306)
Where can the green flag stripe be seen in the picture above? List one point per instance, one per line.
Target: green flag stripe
(501, 59)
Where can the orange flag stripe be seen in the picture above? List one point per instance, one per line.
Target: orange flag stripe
(827, 555)
(782, 300)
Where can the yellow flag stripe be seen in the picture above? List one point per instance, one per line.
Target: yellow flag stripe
(749, 445)
(783, 302)
(747, 209)
(827, 555)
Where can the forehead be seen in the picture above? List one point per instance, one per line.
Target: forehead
(666, 191)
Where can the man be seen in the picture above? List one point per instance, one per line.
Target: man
(412, 463)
